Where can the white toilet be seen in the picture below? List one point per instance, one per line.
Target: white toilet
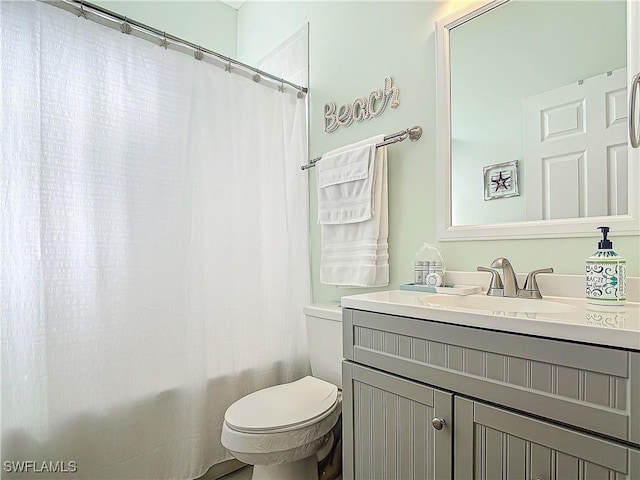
(280, 429)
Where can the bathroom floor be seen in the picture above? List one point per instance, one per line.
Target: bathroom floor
(245, 474)
(242, 474)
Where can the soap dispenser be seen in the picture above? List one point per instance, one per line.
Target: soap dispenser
(606, 274)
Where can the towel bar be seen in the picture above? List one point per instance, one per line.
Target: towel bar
(412, 134)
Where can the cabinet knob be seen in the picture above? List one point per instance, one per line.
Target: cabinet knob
(438, 423)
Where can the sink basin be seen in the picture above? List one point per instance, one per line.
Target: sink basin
(497, 304)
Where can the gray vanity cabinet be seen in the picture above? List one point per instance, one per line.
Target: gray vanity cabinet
(389, 428)
(500, 444)
(514, 406)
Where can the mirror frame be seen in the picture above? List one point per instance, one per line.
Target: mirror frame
(557, 228)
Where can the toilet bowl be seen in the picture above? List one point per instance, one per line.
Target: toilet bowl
(280, 429)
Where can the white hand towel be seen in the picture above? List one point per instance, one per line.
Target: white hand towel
(356, 254)
(345, 183)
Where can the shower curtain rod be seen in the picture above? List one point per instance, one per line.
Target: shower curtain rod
(412, 134)
(129, 26)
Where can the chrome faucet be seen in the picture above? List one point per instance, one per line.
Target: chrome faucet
(508, 277)
(530, 289)
(496, 289)
(507, 286)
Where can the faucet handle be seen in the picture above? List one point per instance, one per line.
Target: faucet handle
(530, 289)
(496, 288)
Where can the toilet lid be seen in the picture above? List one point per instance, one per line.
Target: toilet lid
(283, 406)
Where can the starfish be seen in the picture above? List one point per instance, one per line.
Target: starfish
(501, 182)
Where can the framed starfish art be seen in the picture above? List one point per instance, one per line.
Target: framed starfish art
(501, 180)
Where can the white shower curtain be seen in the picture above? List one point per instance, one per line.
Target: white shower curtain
(154, 256)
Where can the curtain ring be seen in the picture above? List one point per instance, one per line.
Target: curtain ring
(257, 78)
(125, 27)
(281, 87)
(300, 93)
(228, 67)
(82, 12)
(163, 42)
(198, 55)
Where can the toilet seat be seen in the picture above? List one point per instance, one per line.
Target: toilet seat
(267, 448)
(283, 408)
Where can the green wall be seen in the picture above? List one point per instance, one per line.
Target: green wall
(209, 23)
(352, 47)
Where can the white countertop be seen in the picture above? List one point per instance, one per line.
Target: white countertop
(607, 326)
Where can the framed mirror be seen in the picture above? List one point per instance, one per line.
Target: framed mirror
(532, 108)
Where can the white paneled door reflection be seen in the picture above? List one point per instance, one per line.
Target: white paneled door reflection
(575, 160)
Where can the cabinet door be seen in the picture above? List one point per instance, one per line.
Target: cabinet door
(493, 444)
(388, 427)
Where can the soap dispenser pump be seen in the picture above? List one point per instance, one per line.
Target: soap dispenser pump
(606, 273)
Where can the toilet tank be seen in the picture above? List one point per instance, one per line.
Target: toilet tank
(324, 339)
